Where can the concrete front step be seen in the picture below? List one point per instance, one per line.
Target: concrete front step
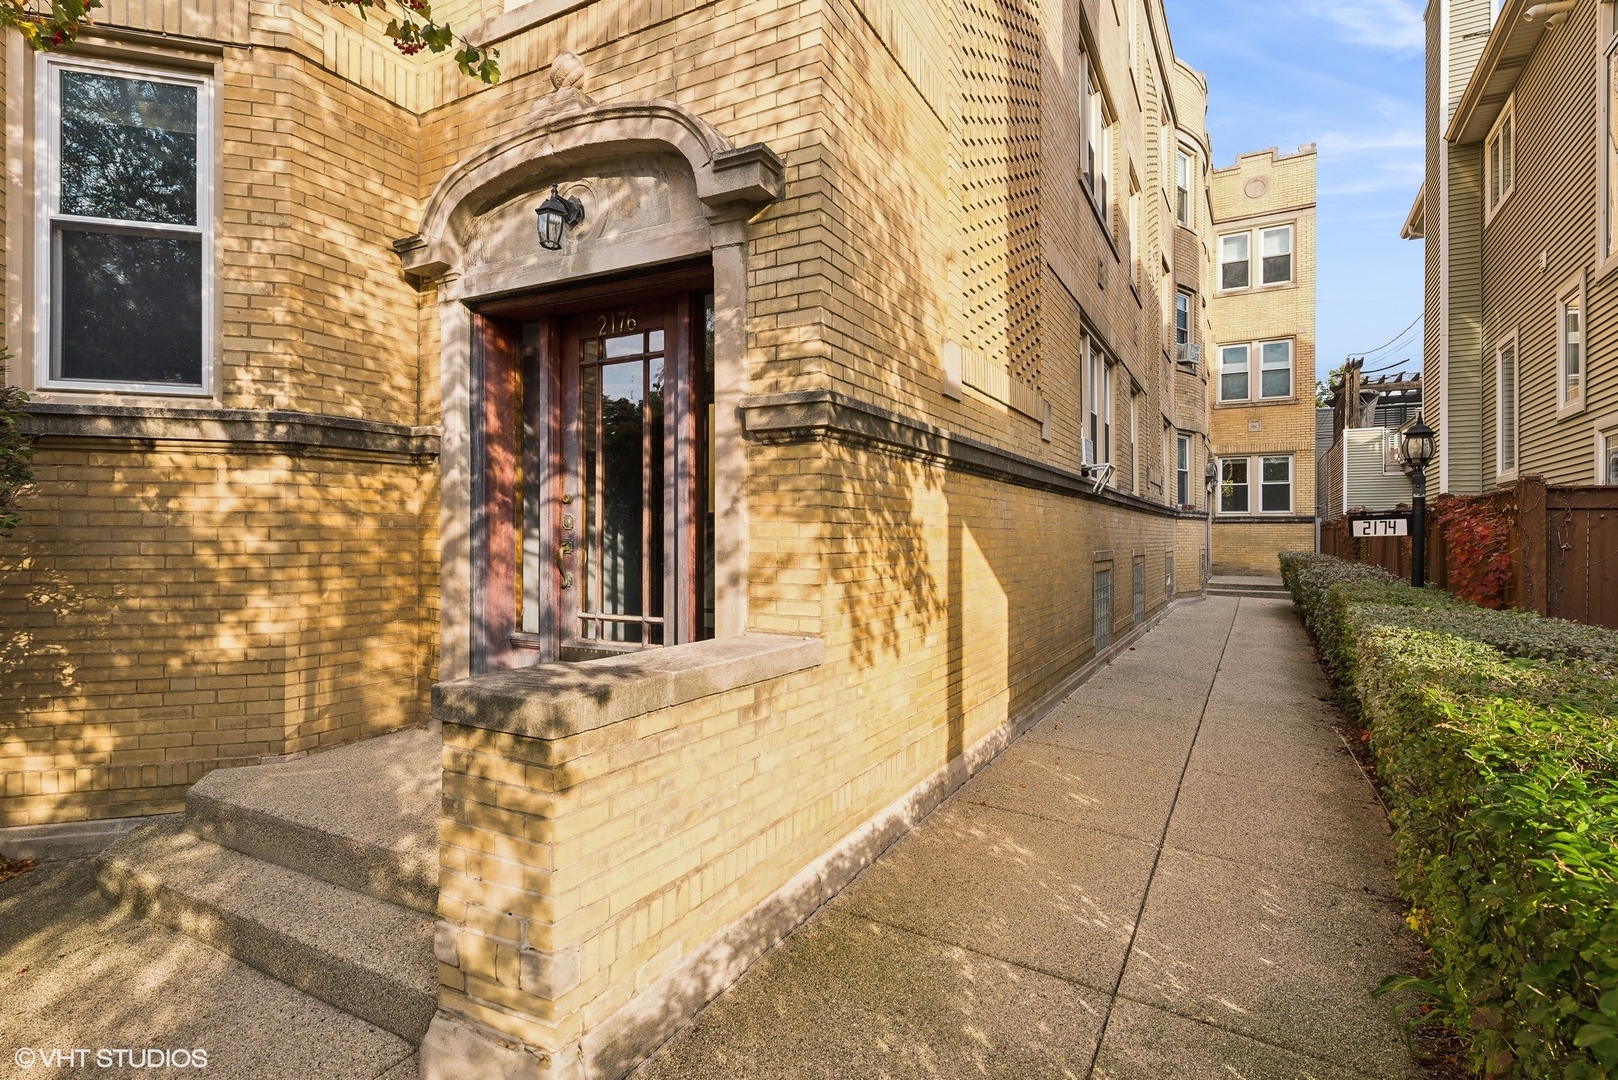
(1245, 585)
(370, 958)
(363, 816)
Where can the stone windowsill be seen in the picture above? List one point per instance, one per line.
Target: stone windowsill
(554, 701)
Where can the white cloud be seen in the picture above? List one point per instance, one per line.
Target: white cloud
(1385, 24)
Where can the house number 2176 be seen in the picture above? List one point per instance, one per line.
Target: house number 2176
(617, 322)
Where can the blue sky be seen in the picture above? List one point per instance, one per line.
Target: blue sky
(1347, 76)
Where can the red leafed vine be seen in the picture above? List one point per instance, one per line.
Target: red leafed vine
(1477, 536)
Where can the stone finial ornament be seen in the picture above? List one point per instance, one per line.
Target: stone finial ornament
(568, 72)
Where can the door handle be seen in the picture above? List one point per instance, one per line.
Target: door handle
(562, 552)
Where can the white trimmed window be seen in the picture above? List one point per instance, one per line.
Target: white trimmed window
(1500, 160)
(1275, 261)
(1235, 372)
(1570, 356)
(1273, 247)
(1235, 261)
(1182, 189)
(1098, 430)
(1506, 407)
(1273, 474)
(1095, 141)
(1608, 441)
(1274, 371)
(1182, 470)
(1182, 326)
(124, 240)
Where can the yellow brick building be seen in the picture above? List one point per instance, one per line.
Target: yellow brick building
(848, 419)
(1262, 396)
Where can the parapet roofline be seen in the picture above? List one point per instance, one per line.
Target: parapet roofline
(1273, 153)
(1511, 43)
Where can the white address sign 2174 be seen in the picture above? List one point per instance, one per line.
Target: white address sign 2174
(1373, 527)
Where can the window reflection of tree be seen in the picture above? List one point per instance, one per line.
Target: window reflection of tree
(129, 149)
(131, 308)
(622, 418)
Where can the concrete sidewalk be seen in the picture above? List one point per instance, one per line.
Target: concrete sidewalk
(1180, 873)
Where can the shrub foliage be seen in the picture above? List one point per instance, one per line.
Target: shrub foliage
(15, 452)
(1496, 741)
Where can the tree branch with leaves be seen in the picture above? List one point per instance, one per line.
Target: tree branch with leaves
(16, 450)
(54, 25)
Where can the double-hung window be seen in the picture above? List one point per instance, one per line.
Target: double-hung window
(1274, 475)
(1234, 364)
(1233, 486)
(1500, 153)
(1182, 326)
(1182, 470)
(124, 238)
(1235, 261)
(1182, 189)
(1098, 436)
(1274, 248)
(1505, 413)
(1570, 356)
(1275, 485)
(1608, 111)
(1274, 371)
(1096, 143)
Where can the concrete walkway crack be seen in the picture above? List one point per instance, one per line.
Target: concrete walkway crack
(1162, 840)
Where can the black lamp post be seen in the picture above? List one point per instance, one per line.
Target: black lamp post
(557, 214)
(1417, 447)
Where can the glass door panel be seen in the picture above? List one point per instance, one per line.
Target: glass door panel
(622, 447)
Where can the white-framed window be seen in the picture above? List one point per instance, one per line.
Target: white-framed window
(1235, 261)
(1134, 443)
(1500, 160)
(1137, 234)
(1273, 474)
(1275, 255)
(1182, 188)
(1506, 407)
(1182, 470)
(1570, 355)
(1275, 485)
(1098, 430)
(1182, 325)
(1235, 372)
(1607, 451)
(1095, 141)
(1274, 371)
(1234, 489)
(1272, 244)
(124, 228)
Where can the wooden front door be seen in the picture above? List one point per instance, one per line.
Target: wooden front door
(592, 506)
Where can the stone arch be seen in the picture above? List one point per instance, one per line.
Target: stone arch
(689, 193)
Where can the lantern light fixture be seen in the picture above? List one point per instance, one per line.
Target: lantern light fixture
(1417, 445)
(557, 214)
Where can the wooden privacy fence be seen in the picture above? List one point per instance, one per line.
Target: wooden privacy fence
(1542, 548)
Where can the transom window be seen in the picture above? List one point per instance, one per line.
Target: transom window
(1500, 157)
(1274, 375)
(1274, 247)
(124, 237)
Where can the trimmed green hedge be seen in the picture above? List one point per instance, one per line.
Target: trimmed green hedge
(1496, 739)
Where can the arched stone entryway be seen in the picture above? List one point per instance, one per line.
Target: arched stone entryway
(661, 189)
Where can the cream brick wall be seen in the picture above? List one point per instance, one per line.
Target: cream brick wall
(1261, 189)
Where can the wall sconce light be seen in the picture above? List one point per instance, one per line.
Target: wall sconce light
(557, 214)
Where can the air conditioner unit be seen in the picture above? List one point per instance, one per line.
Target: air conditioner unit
(1195, 354)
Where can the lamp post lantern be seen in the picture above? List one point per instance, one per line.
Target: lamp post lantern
(1417, 447)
